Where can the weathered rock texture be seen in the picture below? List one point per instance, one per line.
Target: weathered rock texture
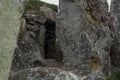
(115, 49)
(83, 41)
(84, 35)
(37, 33)
(10, 13)
(46, 74)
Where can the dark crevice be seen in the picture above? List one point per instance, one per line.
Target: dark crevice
(50, 38)
(114, 51)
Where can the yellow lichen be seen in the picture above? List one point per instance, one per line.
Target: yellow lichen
(95, 60)
(94, 65)
(91, 19)
(90, 6)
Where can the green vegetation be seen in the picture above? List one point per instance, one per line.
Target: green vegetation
(31, 5)
(35, 4)
(114, 76)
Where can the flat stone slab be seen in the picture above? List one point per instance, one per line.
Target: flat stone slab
(44, 74)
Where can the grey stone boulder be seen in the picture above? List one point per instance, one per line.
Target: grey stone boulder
(84, 35)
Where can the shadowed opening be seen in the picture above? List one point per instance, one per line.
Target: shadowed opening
(50, 38)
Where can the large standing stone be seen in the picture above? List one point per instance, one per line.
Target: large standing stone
(115, 49)
(84, 35)
(10, 13)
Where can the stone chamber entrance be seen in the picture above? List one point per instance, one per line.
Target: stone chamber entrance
(51, 50)
(36, 43)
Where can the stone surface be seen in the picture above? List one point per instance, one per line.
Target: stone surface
(10, 13)
(84, 35)
(115, 49)
(32, 39)
(43, 74)
(83, 39)
(29, 51)
(58, 52)
(51, 74)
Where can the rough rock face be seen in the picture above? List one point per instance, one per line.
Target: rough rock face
(84, 35)
(115, 49)
(83, 42)
(52, 74)
(33, 38)
(45, 74)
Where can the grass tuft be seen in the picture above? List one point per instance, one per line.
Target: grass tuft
(35, 4)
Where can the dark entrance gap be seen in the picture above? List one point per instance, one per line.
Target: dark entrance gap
(50, 38)
(53, 54)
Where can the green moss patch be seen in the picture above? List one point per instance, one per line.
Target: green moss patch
(35, 4)
(114, 76)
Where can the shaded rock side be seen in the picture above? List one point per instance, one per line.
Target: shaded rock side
(84, 35)
(115, 49)
(29, 51)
